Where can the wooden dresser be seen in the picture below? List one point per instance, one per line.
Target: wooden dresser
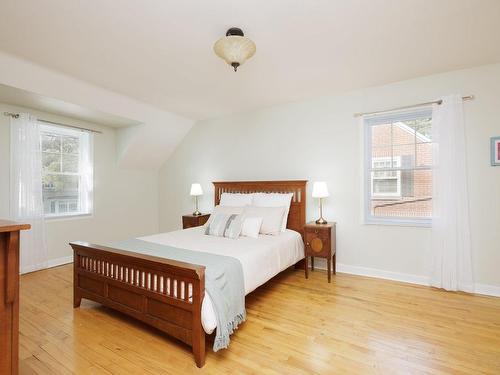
(9, 295)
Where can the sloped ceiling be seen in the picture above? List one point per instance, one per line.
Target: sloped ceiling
(15, 96)
(146, 145)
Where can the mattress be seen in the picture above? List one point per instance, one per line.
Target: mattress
(261, 258)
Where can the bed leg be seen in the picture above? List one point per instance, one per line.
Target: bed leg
(197, 332)
(199, 346)
(77, 300)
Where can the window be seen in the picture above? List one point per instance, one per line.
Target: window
(398, 167)
(67, 171)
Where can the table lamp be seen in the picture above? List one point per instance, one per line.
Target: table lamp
(196, 191)
(320, 190)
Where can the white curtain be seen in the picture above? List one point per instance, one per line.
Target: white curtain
(26, 203)
(451, 246)
(86, 167)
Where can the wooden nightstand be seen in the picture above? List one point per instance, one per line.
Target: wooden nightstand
(190, 221)
(319, 240)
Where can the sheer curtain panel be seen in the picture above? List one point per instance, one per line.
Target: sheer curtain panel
(86, 168)
(26, 204)
(451, 245)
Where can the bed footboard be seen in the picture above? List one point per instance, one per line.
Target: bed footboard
(163, 293)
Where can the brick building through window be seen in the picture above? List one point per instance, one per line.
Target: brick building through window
(398, 167)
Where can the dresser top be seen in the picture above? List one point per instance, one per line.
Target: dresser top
(11, 226)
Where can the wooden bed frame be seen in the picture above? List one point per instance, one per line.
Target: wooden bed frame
(164, 293)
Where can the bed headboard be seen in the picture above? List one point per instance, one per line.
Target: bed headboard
(297, 214)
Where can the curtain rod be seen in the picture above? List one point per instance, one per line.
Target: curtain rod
(438, 102)
(16, 115)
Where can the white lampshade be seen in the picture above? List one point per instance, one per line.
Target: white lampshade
(320, 190)
(234, 48)
(196, 190)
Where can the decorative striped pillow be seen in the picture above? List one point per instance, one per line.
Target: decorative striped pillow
(225, 225)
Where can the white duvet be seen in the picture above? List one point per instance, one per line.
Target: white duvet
(261, 258)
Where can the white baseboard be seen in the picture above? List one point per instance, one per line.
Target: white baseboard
(382, 274)
(49, 264)
(484, 289)
(59, 261)
(487, 290)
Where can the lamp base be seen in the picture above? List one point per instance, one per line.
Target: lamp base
(197, 213)
(321, 221)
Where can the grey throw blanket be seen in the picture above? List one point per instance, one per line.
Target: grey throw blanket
(223, 282)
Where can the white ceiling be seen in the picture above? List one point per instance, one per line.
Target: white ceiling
(15, 96)
(160, 51)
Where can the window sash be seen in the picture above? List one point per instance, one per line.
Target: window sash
(368, 123)
(423, 168)
(401, 144)
(63, 203)
(61, 173)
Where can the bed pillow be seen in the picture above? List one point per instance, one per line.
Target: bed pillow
(225, 225)
(274, 200)
(224, 210)
(251, 227)
(272, 218)
(235, 199)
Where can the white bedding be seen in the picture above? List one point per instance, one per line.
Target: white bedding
(261, 258)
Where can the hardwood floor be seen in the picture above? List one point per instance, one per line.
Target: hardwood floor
(355, 325)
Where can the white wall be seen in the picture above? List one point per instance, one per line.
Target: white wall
(125, 201)
(319, 139)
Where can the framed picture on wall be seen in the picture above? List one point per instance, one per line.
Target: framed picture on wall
(495, 151)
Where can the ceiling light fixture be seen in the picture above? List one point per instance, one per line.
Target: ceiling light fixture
(234, 48)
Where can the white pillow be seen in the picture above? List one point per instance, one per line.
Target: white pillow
(272, 217)
(274, 200)
(228, 210)
(251, 227)
(235, 199)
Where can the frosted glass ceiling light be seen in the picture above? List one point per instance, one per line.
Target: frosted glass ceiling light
(234, 48)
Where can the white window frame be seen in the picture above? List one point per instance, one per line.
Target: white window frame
(59, 130)
(368, 123)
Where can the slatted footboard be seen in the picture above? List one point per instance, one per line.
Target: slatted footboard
(163, 293)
